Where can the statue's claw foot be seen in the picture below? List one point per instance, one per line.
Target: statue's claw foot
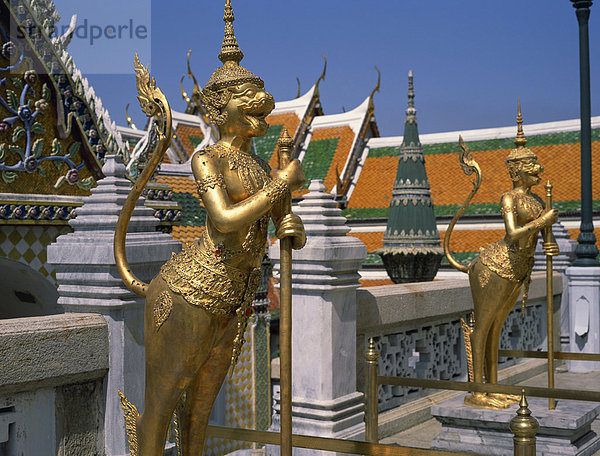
(509, 398)
(483, 400)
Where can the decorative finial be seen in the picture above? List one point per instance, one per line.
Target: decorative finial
(129, 120)
(285, 140)
(298, 81)
(524, 427)
(184, 95)
(378, 85)
(520, 141)
(323, 73)
(523, 405)
(285, 144)
(411, 112)
(197, 88)
(230, 51)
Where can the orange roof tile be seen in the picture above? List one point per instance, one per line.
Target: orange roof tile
(189, 136)
(375, 283)
(372, 240)
(561, 163)
(184, 233)
(290, 121)
(179, 184)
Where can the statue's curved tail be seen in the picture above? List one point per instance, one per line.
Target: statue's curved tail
(153, 103)
(469, 166)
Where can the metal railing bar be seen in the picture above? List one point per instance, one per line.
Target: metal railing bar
(556, 393)
(544, 355)
(325, 443)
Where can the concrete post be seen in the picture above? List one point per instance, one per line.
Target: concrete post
(584, 310)
(89, 282)
(325, 401)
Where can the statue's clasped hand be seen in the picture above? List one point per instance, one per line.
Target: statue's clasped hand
(550, 248)
(291, 226)
(550, 217)
(292, 174)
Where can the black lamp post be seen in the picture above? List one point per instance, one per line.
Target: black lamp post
(586, 251)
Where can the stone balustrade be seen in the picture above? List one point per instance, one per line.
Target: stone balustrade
(51, 394)
(417, 329)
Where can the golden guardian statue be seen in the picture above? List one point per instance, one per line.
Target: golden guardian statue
(198, 306)
(502, 269)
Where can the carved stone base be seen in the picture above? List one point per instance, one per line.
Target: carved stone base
(563, 431)
(342, 418)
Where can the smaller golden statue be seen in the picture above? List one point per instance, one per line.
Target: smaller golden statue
(502, 269)
(198, 306)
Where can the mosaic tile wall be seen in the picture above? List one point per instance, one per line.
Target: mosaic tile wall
(27, 244)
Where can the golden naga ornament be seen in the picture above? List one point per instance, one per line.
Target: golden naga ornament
(198, 306)
(502, 269)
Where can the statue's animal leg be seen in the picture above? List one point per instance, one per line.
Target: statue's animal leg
(484, 317)
(491, 359)
(205, 387)
(174, 350)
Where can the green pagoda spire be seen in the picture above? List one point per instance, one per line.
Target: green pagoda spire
(411, 249)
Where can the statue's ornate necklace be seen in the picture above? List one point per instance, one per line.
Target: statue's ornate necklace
(252, 171)
(529, 207)
(254, 174)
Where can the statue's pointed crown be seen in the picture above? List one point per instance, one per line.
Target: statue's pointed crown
(231, 73)
(520, 152)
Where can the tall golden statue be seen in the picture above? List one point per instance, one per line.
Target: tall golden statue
(197, 307)
(502, 269)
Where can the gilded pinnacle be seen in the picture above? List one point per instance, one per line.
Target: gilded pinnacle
(520, 141)
(231, 73)
(230, 51)
(520, 152)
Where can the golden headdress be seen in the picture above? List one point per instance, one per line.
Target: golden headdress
(520, 152)
(231, 73)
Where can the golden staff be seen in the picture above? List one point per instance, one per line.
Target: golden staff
(549, 238)
(285, 145)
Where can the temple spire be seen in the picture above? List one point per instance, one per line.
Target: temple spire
(411, 249)
(411, 131)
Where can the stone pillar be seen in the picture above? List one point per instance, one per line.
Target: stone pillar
(560, 263)
(89, 282)
(584, 310)
(324, 281)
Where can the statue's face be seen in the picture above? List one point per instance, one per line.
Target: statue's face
(529, 171)
(247, 109)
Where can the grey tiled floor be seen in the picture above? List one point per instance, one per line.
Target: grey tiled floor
(421, 436)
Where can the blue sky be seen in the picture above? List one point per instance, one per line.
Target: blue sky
(471, 59)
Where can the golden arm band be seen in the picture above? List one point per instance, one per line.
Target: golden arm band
(210, 181)
(276, 190)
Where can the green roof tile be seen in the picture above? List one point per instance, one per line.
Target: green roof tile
(265, 145)
(318, 158)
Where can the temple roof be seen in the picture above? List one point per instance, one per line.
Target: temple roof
(335, 151)
(555, 143)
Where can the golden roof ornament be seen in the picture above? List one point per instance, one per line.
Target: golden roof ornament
(231, 73)
(521, 152)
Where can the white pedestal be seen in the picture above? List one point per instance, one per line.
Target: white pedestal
(584, 315)
(325, 276)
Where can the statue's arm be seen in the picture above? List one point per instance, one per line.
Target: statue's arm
(513, 230)
(227, 217)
